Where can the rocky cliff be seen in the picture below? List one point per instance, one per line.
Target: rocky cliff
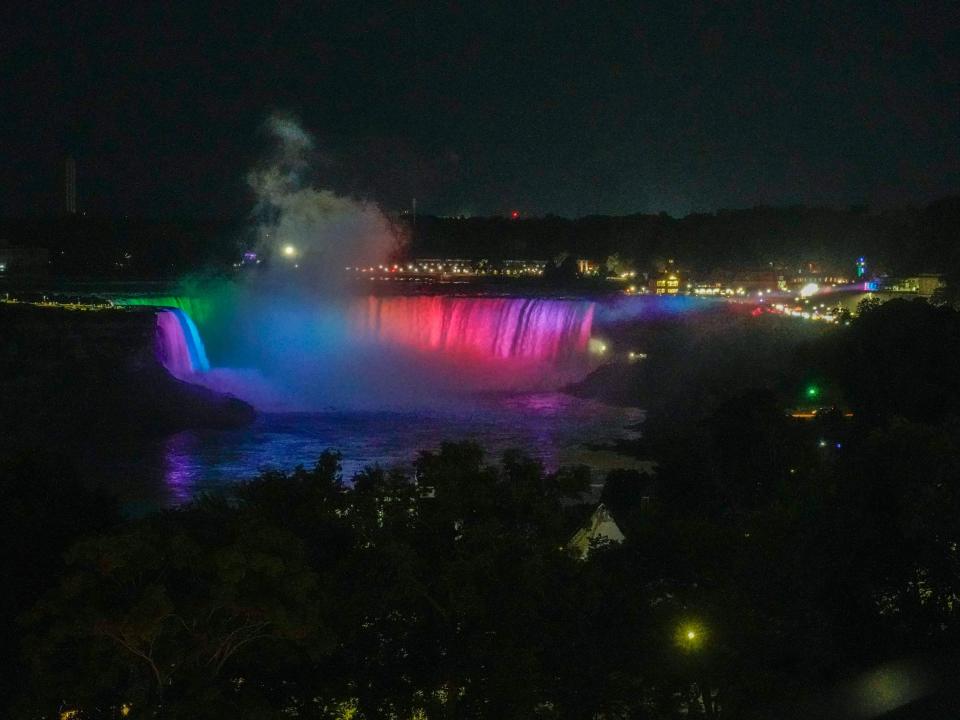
(70, 373)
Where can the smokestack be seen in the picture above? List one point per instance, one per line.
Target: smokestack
(70, 186)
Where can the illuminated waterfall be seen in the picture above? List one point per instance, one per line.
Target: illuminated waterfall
(179, 346)
(294, 352)
(539, 329)
(483, 328)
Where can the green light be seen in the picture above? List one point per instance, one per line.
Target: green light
(812, 391)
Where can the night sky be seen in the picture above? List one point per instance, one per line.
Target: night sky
(481, 107)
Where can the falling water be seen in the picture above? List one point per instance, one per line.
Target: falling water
(540, 329)
(397, 351)
(179, 346)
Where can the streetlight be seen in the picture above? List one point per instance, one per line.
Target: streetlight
(691, 635)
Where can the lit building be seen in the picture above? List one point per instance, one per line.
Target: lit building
(601, 527)
(666, 281)
(758, 280)
(928, 283)
(924, 285)
(861, 269)
(587, 267)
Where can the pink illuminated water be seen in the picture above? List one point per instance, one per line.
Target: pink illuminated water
(179, 346)
(487, 328)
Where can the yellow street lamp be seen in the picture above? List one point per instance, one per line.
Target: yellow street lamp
(691, 635)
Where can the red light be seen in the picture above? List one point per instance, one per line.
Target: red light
(515, 214)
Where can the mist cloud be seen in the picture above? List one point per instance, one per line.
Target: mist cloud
(310, 229)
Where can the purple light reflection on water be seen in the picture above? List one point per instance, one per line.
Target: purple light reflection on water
(552, 427)
(178, 455)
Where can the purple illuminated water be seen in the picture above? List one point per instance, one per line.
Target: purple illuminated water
(484, 329)
(556, 428)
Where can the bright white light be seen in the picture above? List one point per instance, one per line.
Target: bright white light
(289, 250)
(809, 289)
(596, 346)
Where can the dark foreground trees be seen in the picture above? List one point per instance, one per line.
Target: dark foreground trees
(299, 594)
(457, 597)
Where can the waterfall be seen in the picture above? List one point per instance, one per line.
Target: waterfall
(539, 329)
(179, 346)
(281, 351)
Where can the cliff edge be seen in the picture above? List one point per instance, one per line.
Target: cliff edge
(70, 373)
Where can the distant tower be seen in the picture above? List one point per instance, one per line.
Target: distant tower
(70, 186)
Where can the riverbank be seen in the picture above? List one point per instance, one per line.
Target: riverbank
(677, 365)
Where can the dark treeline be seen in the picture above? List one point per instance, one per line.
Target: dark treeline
(92, 246)
(772, 567)
(901, 241)
(898, 241)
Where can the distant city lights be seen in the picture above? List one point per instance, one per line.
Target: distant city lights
(453, 267)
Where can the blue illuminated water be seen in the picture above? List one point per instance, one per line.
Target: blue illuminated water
(556, 428)
(179, 345)
(198, 352)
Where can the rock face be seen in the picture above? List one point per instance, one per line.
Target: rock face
(78, 373)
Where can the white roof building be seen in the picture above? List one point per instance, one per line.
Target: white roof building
(600, 526)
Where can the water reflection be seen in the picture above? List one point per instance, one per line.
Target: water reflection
(180, 472)
(553, 427)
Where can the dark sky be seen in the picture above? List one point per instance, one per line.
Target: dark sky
(478, 107)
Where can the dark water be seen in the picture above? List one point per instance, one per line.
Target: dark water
(555, 428)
